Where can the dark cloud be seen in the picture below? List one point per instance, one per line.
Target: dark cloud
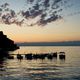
(46, 3)
(36, 6)
(26, 14)
(9, 16)
(6, 14)
(0, 9)
(44, 21)
(47, 10)
(44, 9)
(30, 1)
(4, 5)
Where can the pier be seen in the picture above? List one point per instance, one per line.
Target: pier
(33, 56)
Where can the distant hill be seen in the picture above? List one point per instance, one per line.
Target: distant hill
(67, 43)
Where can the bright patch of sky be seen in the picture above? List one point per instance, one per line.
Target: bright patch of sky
(16, 5)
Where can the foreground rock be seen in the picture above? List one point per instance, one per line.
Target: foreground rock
(6, 45)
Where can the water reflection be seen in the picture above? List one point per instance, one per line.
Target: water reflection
(42, 69)
(39, 68)
(1, 63)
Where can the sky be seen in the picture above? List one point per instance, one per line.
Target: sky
(23, 27)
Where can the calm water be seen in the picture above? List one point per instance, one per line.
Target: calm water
(56, 69)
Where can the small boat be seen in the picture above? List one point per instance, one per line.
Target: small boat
(62, 55)
(28, 56)
(19, 56)
(55, 54)
(50, 56)
(39, 56)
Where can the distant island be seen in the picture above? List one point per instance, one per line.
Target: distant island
(66, 43)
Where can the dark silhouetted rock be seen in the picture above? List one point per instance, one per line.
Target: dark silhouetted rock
(6, 45)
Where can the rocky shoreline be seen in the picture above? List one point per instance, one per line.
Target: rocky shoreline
(6, 45)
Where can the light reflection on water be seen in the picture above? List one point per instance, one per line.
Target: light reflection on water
(56, 69)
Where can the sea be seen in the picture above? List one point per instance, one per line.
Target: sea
(55, 69)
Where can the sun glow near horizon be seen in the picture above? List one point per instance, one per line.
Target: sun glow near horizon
(51, 33)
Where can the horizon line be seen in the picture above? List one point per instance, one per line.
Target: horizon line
(48, 41)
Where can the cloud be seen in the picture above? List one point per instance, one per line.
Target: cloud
(4, 5)
(9, 16)
(47, 11)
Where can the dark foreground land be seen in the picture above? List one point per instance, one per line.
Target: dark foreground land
(6, 45)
